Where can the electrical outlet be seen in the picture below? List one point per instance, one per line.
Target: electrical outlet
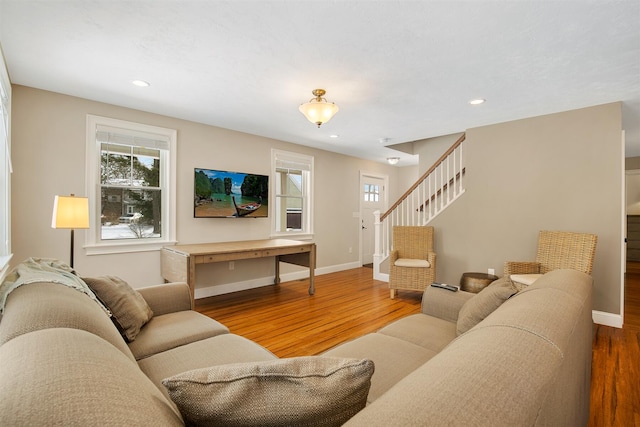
(492, 271)
(350, 250)
(232, 265)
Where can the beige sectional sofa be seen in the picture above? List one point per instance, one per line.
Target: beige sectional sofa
(63, 362)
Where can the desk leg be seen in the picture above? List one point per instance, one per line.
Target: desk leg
(192, 279)
(312, 269)
(276, 281)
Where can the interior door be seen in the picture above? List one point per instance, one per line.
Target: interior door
(372, 198)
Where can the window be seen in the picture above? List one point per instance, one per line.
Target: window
(131, 180)
(292, 208)
(5, 169)
(371, 193)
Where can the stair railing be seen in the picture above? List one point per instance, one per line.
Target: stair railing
(431, 194)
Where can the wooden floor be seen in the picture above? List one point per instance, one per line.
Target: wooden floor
(348, 304)
(615, 372)
(288, 322)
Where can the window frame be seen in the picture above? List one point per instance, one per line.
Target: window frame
(94, 244)
(277, 156)
(6, 170)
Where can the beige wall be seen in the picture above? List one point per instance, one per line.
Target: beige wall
(431, 149)
(49, 159)
(556, 172)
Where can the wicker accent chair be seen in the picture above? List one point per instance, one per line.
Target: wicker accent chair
(556, 250)
(412, 262)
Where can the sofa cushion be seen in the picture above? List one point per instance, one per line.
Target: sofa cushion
(527, 364)
(444, 304)
(128, 308)
(426, 331)
(218, 350)
(37, 306)
(173, 330)
(530, 309)
(70, 377)
(480, 379)
(482, 305)
(317, 391)
(394, 359)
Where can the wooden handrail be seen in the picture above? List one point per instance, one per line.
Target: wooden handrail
(424, 176)
(444, 188)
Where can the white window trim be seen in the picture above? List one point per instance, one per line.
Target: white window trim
(308, 206)
(5, 92)
(93, 243)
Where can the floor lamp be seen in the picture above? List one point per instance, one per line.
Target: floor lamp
(70, 212)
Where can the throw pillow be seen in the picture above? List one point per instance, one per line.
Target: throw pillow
(319, 391)
(130, 311)
(482, 305)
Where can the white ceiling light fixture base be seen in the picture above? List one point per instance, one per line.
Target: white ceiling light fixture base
(393, 160)
(318, 110)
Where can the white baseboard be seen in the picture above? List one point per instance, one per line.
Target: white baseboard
(384, 277)
(226, 288)
(607, 319)
(339, 267)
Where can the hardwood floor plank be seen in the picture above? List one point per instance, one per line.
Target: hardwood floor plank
(288, 322)
(348, 304)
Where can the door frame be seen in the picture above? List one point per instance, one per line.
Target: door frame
(385, 202)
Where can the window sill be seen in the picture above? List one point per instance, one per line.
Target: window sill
(126, 247)
(293, 236)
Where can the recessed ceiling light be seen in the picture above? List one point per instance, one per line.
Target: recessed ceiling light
(477, 101)
(141, 83)
(334, 136)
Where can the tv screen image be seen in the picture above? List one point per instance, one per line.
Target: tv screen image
(226, 194)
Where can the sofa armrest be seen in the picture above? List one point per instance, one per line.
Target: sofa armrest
(167, 298)
(444, 304)
(521, 267)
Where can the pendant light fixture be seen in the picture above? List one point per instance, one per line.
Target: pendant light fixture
(318, 110)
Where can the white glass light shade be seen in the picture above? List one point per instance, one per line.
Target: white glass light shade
(319, 112)
(70, 212)
(393, 160)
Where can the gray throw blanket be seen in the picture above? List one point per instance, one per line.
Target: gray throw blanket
(44, 270)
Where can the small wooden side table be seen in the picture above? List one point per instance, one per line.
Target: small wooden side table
(475, 282)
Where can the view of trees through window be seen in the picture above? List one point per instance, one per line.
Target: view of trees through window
(130, 192)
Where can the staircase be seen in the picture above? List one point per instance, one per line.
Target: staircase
(434, 191)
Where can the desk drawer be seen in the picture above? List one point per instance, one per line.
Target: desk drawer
(284, 251)
(230, 256)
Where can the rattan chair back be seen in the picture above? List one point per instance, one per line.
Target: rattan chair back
(413, 242)
(563, 249)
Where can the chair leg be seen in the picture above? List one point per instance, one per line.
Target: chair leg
(393, 293)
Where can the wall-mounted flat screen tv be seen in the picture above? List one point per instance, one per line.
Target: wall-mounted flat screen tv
(225, 194)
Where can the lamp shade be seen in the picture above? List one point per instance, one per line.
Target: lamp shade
(70, 212)
(319, 112)
(393, 160)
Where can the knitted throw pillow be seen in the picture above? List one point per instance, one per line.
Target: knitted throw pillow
(319, 391)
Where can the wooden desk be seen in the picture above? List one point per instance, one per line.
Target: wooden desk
(178, 263)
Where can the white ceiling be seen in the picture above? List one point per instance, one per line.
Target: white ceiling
(402, 70)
